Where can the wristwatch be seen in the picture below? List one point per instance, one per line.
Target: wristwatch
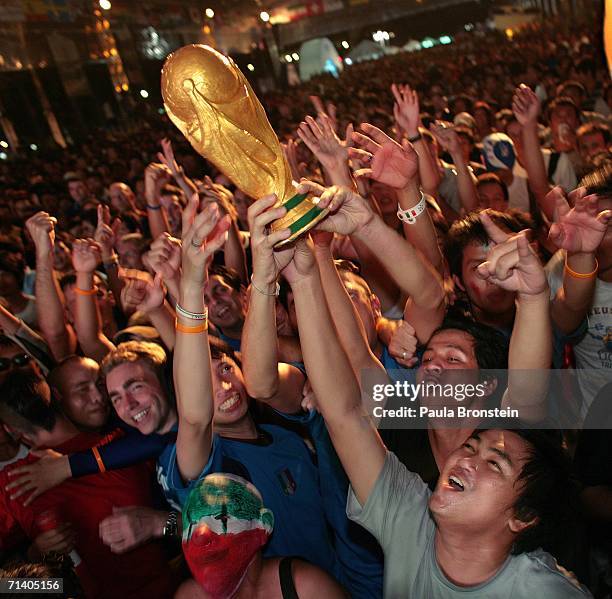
(171, 525)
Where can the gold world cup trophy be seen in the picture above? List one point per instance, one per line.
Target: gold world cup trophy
(209, 99)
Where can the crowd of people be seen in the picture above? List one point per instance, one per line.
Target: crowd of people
(187, 407)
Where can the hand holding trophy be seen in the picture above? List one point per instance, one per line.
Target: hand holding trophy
(209, 99)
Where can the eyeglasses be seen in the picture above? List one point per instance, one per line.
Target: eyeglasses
(17, 361)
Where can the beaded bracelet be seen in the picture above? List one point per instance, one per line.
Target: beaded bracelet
(191, 315)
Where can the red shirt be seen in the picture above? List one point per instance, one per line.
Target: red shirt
(84, 503)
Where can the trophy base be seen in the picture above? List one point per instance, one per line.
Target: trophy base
(302, 215)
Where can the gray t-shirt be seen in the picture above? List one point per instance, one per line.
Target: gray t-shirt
(594, 351)
(397, 514)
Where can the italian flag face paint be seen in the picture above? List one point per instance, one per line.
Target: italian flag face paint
(224, 525)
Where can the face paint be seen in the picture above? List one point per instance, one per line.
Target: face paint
(224, 525)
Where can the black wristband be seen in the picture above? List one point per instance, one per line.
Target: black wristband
(415, 138)
(171, 526)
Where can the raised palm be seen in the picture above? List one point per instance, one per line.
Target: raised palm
(393, 164)
(581, 228)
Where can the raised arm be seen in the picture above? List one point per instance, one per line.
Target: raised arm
(105, 237)
(513, 265)
(396, 165)
(202, 235)
(526, 108)
(49, 298)
(155, 177)
(333, 381)
(578, 231)
(277, 384)
(166, 157)
(407, 115)
(143, 293)
(449, 140)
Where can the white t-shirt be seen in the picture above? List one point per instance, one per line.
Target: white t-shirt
(564, 174)
(518, 192)
(594, 351)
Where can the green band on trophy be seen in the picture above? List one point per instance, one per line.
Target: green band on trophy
(299, 224)
(295, 201)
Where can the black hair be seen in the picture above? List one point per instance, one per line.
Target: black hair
(562, 101)
(219, 349)
(490, 345)
(229, 276)
(599, 182)
(586, 65)
(593, 129)
(15, 264)
(22, 397)
(469, 229)
(492, 178)
(546, 487)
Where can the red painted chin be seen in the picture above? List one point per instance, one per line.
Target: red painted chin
(219, 562)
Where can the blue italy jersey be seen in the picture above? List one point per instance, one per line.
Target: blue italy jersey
(360, 556)
(282, 468)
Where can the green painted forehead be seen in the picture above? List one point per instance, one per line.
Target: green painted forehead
(223, 494)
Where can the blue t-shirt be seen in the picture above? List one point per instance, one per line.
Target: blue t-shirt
(281, 466)
(359, 553)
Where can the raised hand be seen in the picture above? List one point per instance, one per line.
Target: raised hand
(298, 169)
(403, 345)
(141, 291)
(203, 234)
(581, 228)
(447, 137)
(41, 228)
(406, 109)
(525, 105)
(390, 163)
(329, 110)
(321, 139)
(165, 259)
(215, 192)
(511, 263)
(86, 255)
(348, 212)
(302, 263)
(267, 262)
(104, 235)
(166, 157)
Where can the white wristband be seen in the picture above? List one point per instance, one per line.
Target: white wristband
(409, 216)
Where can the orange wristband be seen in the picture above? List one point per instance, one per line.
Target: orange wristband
(580, 275)
(200, 328)
(91, 291)
(96, 455)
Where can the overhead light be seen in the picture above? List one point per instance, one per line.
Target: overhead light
(348, 61)
(3, 156)
(264, 16)
(144, 93)
(250, 67)
(3, 144)
(105, 4)
(33, 147)
(210, 13)
(295, 56)
(288, 58)
(445, 39)
(345, 45)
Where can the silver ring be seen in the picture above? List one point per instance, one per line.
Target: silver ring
(196, 244)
